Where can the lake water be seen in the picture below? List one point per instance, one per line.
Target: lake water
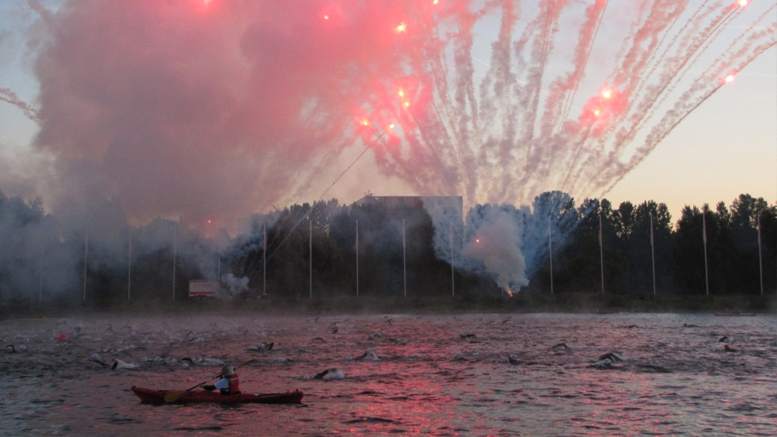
(436, 375)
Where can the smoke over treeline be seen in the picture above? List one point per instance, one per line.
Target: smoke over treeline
(402, 247)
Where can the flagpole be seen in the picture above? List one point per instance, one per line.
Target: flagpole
(357, 258)
(86, 257)
(175, 253)
(129, 264)
(601, 249)
(550, 249)
(40, 272)
(653, 253)
(760, 259)
(404, 258)
(704, 238)
(264, 259)
(311, 258)
(453, 279)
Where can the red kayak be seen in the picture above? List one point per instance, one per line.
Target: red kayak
(201, 396)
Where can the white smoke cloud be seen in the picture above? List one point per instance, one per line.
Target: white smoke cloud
(496, 244)
(235, 285)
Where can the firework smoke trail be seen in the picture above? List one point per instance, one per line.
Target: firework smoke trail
(655, 60)
(697, 55)
(752, 28)
(693, 56)
(566, 88)
(647, 103)
(463, 111)
(594, 13)
(512, 139)
(498, 84)
(551, 11)
(9, 96)
(646, 40)
(731, 61)
(630, 72)
(661, 131)
(735, 12)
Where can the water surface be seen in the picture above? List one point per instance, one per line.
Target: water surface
(436, 375)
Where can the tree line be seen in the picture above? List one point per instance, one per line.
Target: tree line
(609, 248)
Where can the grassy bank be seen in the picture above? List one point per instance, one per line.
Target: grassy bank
(462, 303)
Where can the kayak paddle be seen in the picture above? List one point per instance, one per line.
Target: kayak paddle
(174, 396)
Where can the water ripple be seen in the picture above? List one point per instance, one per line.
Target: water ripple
(537, 374)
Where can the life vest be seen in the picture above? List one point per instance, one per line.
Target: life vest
(234, 383)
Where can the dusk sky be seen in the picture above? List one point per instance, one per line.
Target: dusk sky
(221, 108)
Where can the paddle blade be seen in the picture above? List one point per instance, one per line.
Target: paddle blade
(174, 396)
(245, 363)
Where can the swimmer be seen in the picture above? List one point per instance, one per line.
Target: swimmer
(606, 360)
(368, 355)
(119, 364)
(330, 374)
(261, 347)
(380, 334)
(610, 356)
(602, 364)
(96, 359)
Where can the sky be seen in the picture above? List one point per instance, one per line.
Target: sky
(214, 109)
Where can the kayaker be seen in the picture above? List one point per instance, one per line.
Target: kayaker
(229, 382)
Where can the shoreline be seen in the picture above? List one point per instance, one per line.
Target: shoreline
(527, 303)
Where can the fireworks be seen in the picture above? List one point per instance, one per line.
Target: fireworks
(496, 101)
(517, 128)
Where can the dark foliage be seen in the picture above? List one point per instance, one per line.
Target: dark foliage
(631, 250)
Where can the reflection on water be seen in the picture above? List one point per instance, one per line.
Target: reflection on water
(439, 375)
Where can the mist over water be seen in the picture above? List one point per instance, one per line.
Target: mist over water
(435, 375)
